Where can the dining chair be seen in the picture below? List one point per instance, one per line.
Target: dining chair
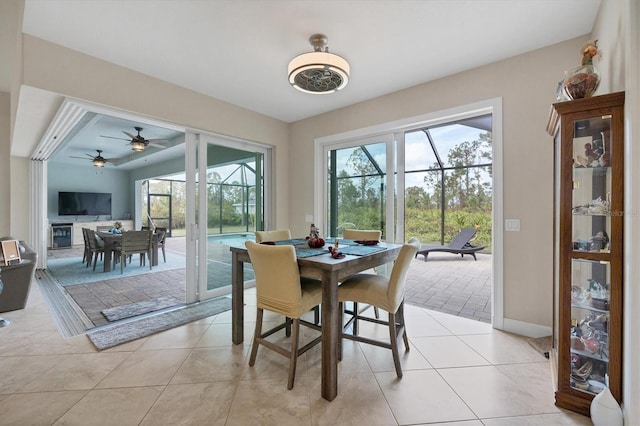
(279, 235)
(276, 235)
(362, 235)
(162, 234)
(87, 252)
(95, 250)
(384, 293)
(133, 242)
(280, 289)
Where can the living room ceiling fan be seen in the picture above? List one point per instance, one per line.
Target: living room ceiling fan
(138, 142)
(98, 160)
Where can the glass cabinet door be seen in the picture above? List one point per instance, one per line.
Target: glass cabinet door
(592, 185)
(589, 325)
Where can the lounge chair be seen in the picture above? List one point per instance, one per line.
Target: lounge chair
(460, 244)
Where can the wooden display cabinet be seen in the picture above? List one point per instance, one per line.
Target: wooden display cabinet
(588, 243)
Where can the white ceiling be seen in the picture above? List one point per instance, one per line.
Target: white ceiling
(238, 50)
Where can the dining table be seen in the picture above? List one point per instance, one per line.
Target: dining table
(110, 239)
(317, 264)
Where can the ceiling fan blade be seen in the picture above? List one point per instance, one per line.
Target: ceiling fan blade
(158, 140)
(81, 158)
(157, 145)
(112, 137)
(129, 134)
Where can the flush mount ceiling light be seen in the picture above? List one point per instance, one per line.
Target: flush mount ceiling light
(318, 72)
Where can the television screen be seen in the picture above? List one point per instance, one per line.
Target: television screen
(84, 203)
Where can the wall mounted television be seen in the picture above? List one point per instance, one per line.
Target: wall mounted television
(84, 203)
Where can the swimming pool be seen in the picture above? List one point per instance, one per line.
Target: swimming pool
(231, 239)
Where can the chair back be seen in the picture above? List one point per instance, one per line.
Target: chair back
(276, 235)
(398, 277)
(103, 228)
(463, 237)
(90, 235)
(84, 237)
(277, 277)
(362, 234)
(162, 233)
(136, 241)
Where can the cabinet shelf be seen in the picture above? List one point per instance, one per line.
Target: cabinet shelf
(588, 246)
(590, 355)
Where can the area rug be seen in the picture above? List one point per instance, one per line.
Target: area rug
(116, 334)
(541, 344)
(139, 308)
(71, 270)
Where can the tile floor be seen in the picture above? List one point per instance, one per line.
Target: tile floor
(458, 372)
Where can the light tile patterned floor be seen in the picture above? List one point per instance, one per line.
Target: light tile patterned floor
(458, 372)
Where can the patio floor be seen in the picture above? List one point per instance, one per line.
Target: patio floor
(446, 283)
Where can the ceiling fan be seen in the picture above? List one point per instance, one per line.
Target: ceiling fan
(138, 142)
(98, 160)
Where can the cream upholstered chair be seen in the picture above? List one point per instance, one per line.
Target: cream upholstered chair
(280, 289)
(276, 235)
(362, 235)
(384, 293)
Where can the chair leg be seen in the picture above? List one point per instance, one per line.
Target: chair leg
(95, 260)
(123, 261)
(164, 255)
(355, 318)
(316, 315)
(287, 330)
(293, 355)
(256, 337)
(400, 315)
(376, 312)
(394, 344)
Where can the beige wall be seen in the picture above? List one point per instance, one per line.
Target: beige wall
(5, 174)
(609, 29)
(527, 85)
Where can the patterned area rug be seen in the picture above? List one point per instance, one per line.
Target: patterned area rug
(140, 308)
(117, 334)
(71, 270)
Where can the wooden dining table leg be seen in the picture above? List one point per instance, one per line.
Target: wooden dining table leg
(330, 335)
(237, 299)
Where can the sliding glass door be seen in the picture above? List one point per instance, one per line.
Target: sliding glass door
(230, 178)
(361, 186)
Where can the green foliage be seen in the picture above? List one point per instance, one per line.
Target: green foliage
(465, 184)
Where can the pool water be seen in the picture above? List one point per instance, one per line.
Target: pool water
(231, 239)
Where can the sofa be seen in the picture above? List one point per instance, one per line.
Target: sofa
(16, 279)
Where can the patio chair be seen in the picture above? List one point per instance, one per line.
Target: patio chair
(133, 242)
(461, 244)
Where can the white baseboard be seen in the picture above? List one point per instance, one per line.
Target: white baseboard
(525, 328)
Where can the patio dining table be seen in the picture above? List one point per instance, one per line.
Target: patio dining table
(317, 264)
(109, 240)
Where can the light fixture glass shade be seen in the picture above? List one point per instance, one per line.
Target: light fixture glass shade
(98, 162)
(137, 146)
(318, 72)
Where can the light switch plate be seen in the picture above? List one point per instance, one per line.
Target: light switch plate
(512, 224)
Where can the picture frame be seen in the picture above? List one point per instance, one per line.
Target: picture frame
(10, 252)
